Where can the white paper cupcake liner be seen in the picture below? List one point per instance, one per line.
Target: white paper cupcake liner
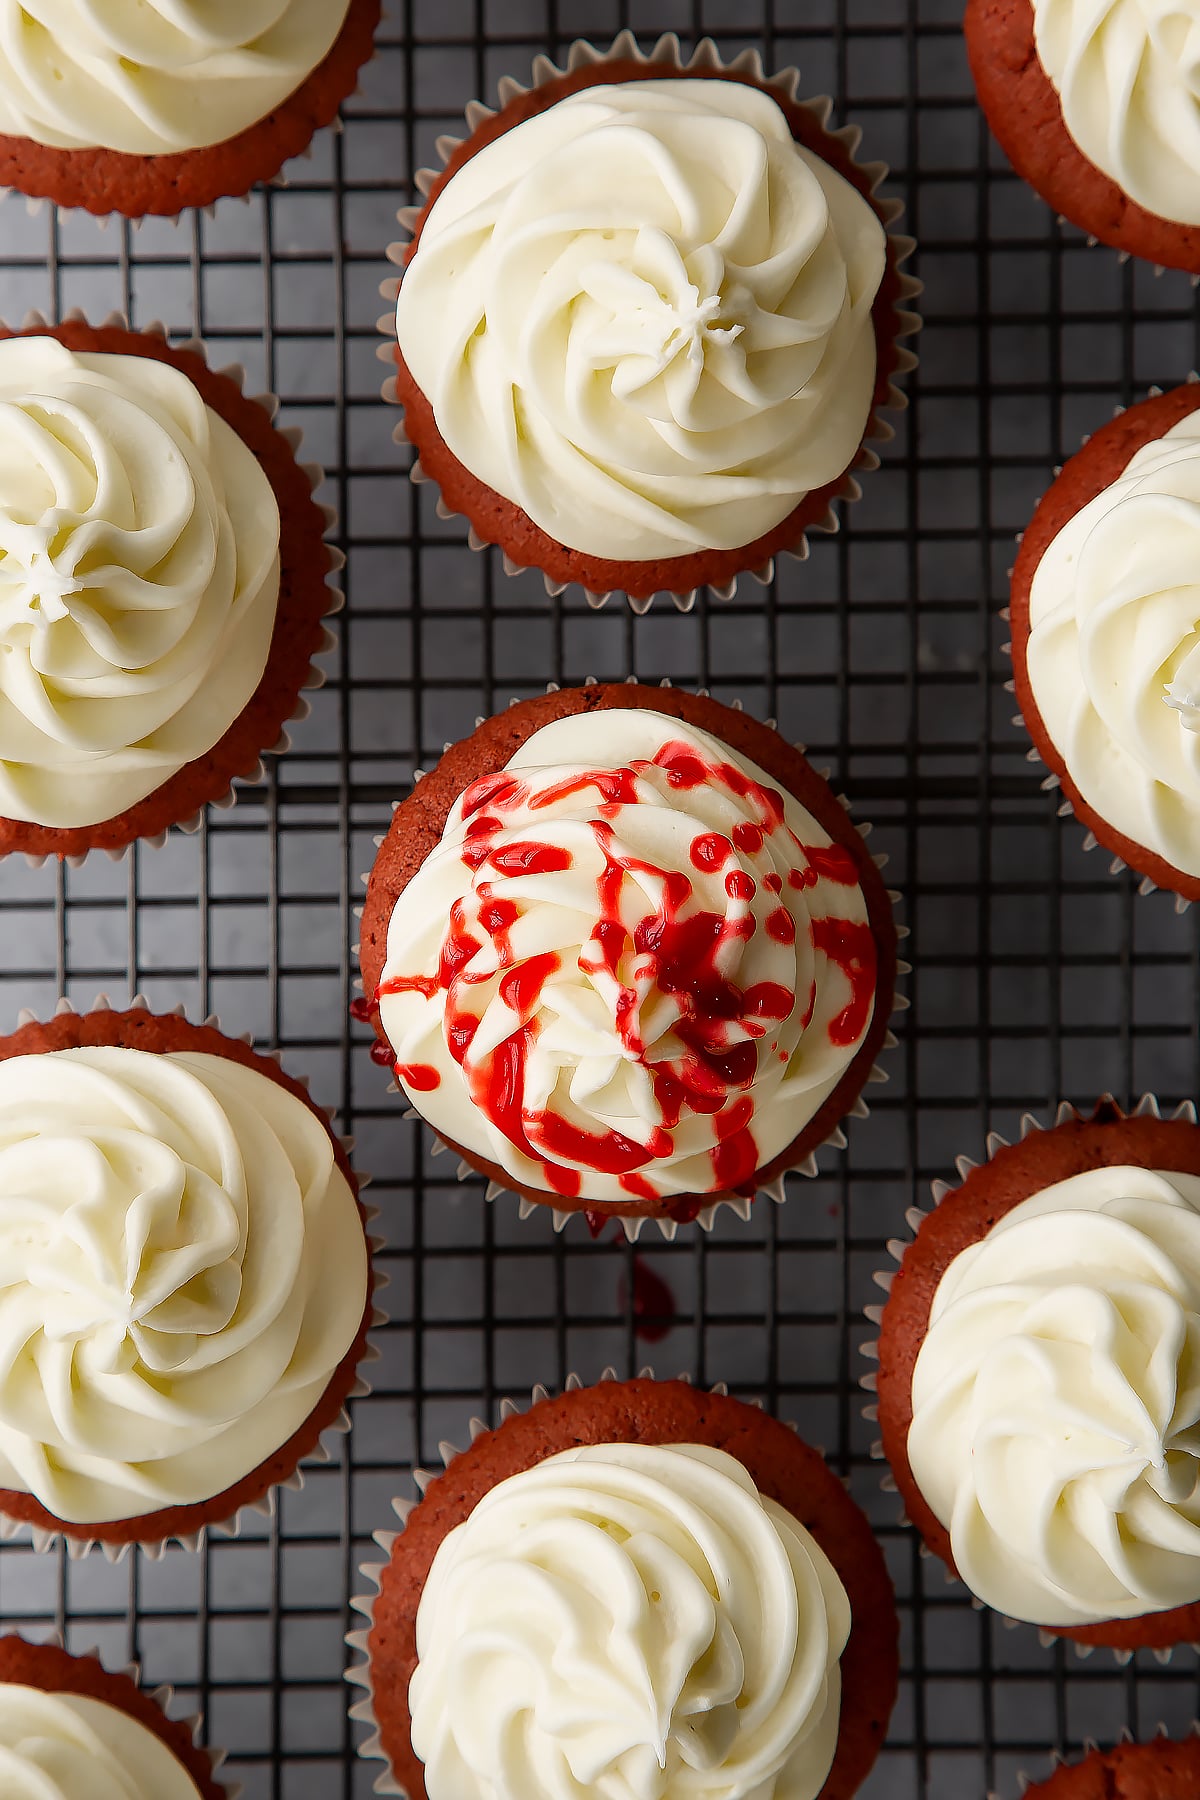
(359, 1673)
(1124, 256)
(254, 772)
(1051, 782)
(77, 1547)
(1065, 1114)
(163, 1697)
(740, 1204)
(786, 83)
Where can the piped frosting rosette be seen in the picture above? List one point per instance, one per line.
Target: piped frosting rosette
(162, 586)
(70, 1729)
(169, 104)
(717, 1646)
(1105, 614)
(1037, 1395)
(187, 1288)
(635, 973)
(619, 373)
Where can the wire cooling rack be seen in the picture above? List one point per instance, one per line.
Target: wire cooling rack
(1038, 974)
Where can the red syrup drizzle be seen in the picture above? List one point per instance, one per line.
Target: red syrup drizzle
(423, 1077)
(679, 954)
(852, 948)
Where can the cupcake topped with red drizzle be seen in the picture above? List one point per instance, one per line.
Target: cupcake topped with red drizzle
(633, 966)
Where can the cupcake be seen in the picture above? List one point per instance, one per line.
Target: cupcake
(71, 1730)
(1098, 109)
(170, 103)
(635, 1588)
(162, 587)
(627, 954)
(1105, 640)
(1160, 1770)
(648, 317)
(186, 1287)
(1038, 1396)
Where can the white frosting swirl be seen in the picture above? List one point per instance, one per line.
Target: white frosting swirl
(1128, 76)
(71, 1747)
(139, 578)
(157, 76)
(644, 316)
(1056, 1401)
(634, 1622)
(633, 967)
(184, 1269)
(1114, 648)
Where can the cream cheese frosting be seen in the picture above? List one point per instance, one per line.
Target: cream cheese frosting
(1128, 77)
(1113, 654)
(1056, 1401)
(139, 579)
(644, 316)
(158, 76)
(633, 967)
(183, 1270)
(630, 1622)
(71, 1747)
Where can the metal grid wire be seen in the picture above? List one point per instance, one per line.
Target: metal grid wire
(1037, 973)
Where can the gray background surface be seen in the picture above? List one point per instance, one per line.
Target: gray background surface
(1038, 974)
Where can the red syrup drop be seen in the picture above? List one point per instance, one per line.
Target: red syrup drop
(637, 1187)
(824, 862)
(781, 926)
(654, 1309)
(381, 1053)
(686, 1208)
(749, 838)
(710, 850)
(521, 988)
(498, 789)
(421, 1076)
(595, 1220)
(530, 858)
(832, 863)
(852, 948)
(362, 1010)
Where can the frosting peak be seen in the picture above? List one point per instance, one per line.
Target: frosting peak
(1056, 1401)
(139, 553)
(644, 316)
(633, 1621)
(632, 967)
(184, 1269)
(1113, 655)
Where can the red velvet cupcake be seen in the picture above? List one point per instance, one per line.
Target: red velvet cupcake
(166, 587)
(1100, 113)
(1035, 1398)
(1104, 643)
(176, 107)
(68, 1725)
(1163, 1769)
(185, 1230)
(628, 956)
(596, 386)
(729, 1612)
